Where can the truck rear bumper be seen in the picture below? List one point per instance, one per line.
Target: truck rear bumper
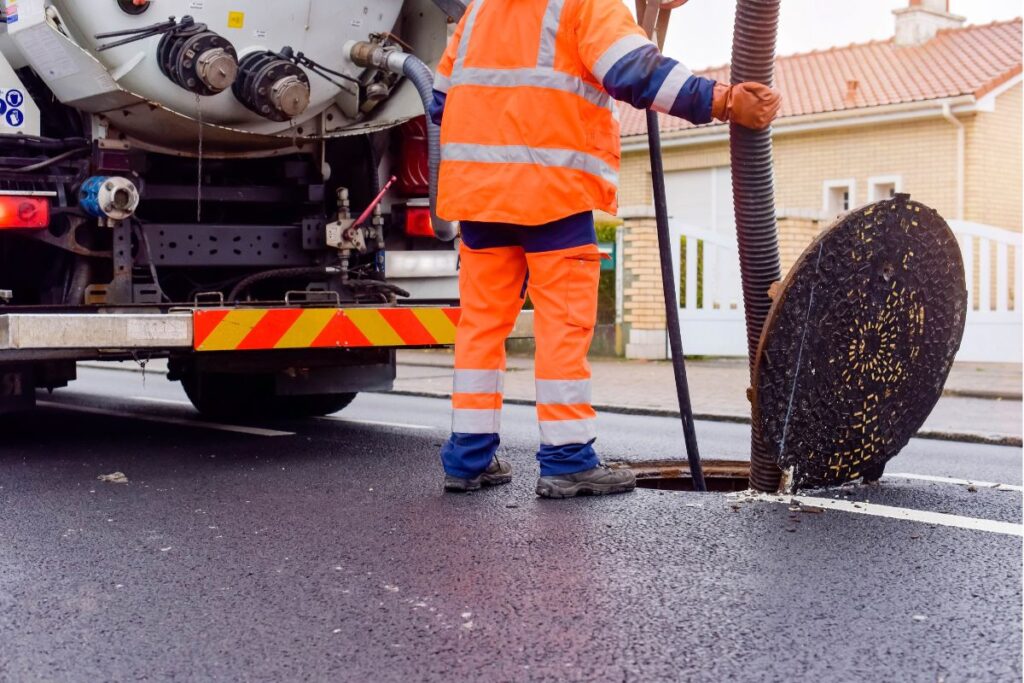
(25, 336)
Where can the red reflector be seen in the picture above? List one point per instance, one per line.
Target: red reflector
(24, 212)
(417, 222)
(414, 167)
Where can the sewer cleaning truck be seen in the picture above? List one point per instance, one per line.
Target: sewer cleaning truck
(243, 188)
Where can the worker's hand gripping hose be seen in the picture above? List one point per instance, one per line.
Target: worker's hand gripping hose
(419, 74)
(753, 59)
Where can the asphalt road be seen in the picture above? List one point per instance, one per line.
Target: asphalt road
(325, 550)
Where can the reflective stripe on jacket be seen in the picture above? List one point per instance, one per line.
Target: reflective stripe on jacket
(529, 131)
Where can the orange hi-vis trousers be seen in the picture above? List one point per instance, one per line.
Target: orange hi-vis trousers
(563, 263)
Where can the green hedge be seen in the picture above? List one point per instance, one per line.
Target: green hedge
(606, 290)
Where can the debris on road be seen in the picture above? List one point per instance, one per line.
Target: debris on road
(113, 478)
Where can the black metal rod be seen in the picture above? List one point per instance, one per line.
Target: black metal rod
(670, 285)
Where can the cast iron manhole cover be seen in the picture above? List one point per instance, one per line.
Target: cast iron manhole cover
(859, 342)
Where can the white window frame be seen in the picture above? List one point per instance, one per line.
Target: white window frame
(874, 181)
(826, 194)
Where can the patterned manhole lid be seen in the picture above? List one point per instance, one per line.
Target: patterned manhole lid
(859, 342)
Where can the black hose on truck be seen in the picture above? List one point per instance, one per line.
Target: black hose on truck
(419, 74)
(753, 188)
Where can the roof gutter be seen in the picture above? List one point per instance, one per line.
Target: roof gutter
(866, 116)
(961, 154)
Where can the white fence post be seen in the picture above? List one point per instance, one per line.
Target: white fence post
(994, 325)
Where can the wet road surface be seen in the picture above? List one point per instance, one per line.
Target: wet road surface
(324, 550)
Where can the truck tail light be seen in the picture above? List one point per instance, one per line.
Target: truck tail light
(417, 222)
(24, 212)
(413, 167)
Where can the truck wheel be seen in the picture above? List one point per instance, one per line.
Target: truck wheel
(229, 395)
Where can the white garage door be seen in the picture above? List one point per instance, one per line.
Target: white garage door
(701, 198)
(711, 306)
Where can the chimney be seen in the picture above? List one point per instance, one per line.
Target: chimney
(851, 91)
(918, 23)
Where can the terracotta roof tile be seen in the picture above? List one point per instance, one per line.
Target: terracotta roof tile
(965, 61)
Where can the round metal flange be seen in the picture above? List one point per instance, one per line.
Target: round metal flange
(859, 342)
(272, 87)
(198, 60)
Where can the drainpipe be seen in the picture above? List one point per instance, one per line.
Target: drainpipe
(961, 153)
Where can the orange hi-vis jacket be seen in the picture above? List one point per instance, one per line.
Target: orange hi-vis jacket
(530, 131)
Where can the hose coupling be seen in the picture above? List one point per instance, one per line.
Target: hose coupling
(372, 55)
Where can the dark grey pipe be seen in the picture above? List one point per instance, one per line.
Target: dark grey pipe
(753, 59)
(420, 75)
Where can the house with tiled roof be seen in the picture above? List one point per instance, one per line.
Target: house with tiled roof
(934, 111)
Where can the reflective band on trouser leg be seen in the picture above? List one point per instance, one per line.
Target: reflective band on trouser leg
(566, 424)
(563, 288)
(489, 284)
(476, 401)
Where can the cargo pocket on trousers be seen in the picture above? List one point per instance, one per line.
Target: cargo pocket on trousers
(581, 289)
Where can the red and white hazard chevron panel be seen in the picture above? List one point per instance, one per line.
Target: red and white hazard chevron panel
(252, 329)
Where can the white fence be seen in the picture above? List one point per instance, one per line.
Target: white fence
(992, 262)
(711, 307)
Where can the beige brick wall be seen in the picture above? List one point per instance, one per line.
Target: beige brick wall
(994, 163)
(794, 236)
(923, 153)
(643, 300)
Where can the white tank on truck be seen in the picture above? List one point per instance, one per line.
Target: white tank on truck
(257, 77)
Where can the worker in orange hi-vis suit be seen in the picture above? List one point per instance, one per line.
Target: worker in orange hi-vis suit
(529, 148)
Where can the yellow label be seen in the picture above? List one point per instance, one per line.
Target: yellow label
(236, 19)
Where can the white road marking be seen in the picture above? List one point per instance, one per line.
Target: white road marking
(950, 480)
(166, 401)
(906, 514)
(240, 429)
(377, 423)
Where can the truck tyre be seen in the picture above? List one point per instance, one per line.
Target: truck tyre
(238, 396)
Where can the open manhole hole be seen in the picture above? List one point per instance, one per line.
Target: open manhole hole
(674, 475)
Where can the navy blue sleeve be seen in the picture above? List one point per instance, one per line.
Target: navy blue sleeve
(647, 79)
(436, 109)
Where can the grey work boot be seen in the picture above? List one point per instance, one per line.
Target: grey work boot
(599, 481)
(498, 472)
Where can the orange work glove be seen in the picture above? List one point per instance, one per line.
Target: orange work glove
(752, 105)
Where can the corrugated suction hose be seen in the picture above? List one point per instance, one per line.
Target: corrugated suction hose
(419, 74)
(753, 59)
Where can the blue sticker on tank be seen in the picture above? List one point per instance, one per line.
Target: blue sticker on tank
(3, 107)
(15, 118)
(14, 97)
